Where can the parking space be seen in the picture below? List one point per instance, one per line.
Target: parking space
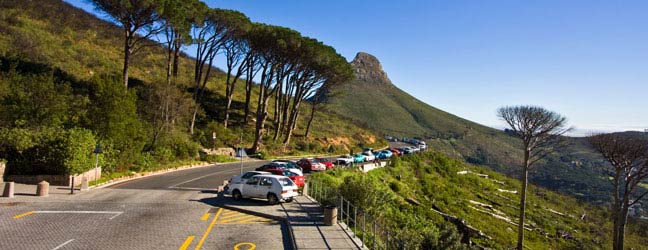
(229, 229)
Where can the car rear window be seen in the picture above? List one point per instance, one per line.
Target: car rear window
(286, 182)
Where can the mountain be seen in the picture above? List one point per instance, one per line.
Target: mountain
(373, 100)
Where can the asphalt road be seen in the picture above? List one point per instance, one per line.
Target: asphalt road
(177, 210)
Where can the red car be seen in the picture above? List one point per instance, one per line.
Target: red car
(310, 164)
(328, 163)
(299, 180)
(396, 151)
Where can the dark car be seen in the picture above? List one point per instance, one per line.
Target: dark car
(310, 164)
(272, 167)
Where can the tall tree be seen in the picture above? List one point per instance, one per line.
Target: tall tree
(539, 130)
(237, 54)
(138, 19)
(628, 158)
(211, 34)
(272, 44)
(177, 18)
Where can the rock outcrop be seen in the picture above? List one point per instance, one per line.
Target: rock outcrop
(367, 68)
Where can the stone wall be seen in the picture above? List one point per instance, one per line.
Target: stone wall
(54, 180)
(220, 151)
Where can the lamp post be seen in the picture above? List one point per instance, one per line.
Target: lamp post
(97, 151)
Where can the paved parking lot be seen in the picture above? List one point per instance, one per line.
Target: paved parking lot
(172, 211)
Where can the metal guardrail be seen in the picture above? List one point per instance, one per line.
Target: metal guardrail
(372, 234)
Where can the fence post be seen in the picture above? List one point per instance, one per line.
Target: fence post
(373, 246)
(348, 213)
(364, 225)
(387, 241)
(355, 220)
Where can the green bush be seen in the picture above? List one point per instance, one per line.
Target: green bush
(47, 151)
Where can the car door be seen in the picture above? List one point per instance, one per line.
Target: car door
(251, 186)
(264, 187)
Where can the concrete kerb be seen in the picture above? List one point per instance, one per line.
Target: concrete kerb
(148, 174)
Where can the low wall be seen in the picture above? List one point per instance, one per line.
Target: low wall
(2, 169)
(220, 151)
(54, 180)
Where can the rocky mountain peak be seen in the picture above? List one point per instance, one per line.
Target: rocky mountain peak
(367, 68)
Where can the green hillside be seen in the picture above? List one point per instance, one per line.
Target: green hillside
(78, 56)
(404, 195)
(373, 100)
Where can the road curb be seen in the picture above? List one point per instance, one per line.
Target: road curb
(149, 174)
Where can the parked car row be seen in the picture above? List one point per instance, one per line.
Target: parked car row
(276, 181)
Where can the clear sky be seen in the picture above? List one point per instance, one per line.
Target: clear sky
(587, 60)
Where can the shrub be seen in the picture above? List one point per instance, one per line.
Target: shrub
(47, 151)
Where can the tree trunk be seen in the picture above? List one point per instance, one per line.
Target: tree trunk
(623, 220)
(248, 94)
(262, 114)
(310, 120)
(616, 211)
(277, 115)
(524, 179)
(127, 54)
(229, 90)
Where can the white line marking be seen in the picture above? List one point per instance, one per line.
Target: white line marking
(63, 244)
(194, 189)
(198, 178)
(115, 215)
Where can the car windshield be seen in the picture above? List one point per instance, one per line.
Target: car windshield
(285, 182)
(323, 160)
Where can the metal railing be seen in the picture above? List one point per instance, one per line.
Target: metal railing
(361, 224)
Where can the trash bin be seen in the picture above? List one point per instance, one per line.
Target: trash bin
(330, 215)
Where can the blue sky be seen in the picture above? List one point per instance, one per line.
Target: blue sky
(587, 60)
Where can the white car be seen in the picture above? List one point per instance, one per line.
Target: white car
(369, 156)
(345, 160)
(275, 188)
(238, 179)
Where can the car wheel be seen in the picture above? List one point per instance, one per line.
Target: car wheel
(272, 199)
(236, 194)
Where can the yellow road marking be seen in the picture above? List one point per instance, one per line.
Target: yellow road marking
(250, 244)
(205, 216)
(232, 215)
(187, 242)
(220, 210)
(240, 217)
(249, 220)
(23, 214)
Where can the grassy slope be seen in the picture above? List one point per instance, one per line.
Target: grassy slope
(432, 180)
(55, 33)
(391, 111)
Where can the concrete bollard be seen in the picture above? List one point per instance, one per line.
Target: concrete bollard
(42, 189)
(305, 189)
(330, 215)
(84, 184)
(8, 190)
